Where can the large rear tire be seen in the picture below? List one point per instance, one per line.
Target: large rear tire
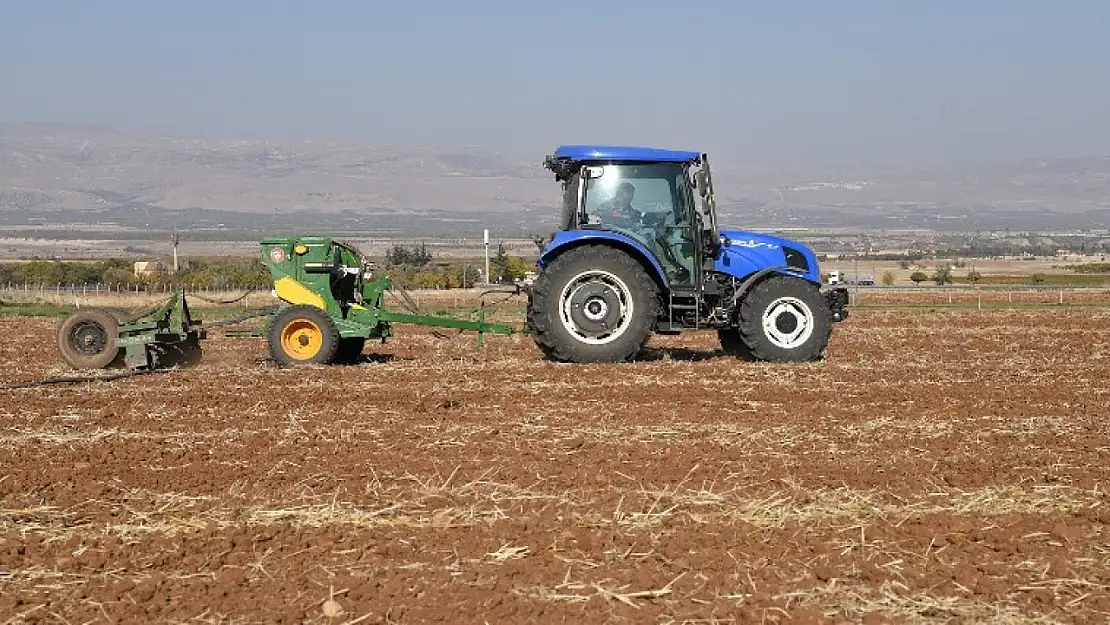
(593, 304)
(87, 339)
(785, 319)
(302, 335)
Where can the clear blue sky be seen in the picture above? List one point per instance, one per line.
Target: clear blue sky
(776, 81)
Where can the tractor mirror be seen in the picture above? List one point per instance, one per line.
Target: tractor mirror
(700, 183)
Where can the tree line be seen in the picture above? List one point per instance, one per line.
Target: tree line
(212, 274)
(412, 267)
(415, 267)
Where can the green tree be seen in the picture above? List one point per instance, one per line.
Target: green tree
(44, 272)
(499, 264)
(888, 278)
(116, 275)
(918, 277)
(416, 256)
(974, 276)
(516, 268)
(472, 275)
(942, 275)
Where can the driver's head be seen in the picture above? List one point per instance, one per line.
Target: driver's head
(625, 192)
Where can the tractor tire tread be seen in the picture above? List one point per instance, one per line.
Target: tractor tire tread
(732, 343)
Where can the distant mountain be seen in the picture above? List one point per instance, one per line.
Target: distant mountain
(67, 173)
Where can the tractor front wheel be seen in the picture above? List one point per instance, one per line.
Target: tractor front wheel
(593, 304)
(303, 335)
(784, 319)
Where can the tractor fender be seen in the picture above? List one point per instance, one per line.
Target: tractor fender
(570, 239)
(747, 284)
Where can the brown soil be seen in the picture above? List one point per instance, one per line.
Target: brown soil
(937, 467)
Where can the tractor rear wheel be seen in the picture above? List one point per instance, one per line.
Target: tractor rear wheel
(302, 335)
(785, 319)
(593, 304)
(87, 339)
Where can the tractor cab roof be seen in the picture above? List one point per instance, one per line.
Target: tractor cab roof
(623, 153)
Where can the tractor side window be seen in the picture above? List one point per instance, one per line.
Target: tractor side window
(648, 203)
(627, 196)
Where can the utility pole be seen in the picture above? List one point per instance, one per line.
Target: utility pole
(485, 238)
(176, 239)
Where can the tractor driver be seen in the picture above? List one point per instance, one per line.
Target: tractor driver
(618, 211)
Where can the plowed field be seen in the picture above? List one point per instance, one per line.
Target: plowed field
(939, 467)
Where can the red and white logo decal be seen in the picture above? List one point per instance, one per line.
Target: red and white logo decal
(277, 254)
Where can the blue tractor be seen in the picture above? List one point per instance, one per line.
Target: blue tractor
(637, 253)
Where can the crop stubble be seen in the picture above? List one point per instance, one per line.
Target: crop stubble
(938, 467)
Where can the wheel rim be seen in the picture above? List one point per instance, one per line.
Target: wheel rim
(788, 322)
(88, 338)
(302, 339)
(596, 307)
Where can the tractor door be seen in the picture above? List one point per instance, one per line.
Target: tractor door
(651, 203)
(708, 243)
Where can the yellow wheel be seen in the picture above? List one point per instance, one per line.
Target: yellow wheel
(303, 335)
(301, 339)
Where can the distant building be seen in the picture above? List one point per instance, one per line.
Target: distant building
(146, 268)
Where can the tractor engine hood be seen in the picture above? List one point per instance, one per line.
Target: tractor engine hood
(744, 253)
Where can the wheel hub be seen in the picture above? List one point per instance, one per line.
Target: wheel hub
(89, 338)
(302, 339)
(596, 307)
(788, 322)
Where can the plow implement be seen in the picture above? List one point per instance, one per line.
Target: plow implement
(330, 305)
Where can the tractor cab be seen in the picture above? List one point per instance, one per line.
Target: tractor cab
(648, 196)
